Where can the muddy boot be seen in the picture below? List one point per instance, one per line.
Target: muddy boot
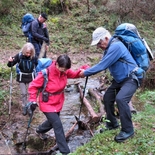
(132, 109)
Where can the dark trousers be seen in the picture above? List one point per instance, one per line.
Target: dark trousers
(53, 121)
(122, 94)
(37, 47)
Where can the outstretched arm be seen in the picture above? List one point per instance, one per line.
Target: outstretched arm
(76, 74)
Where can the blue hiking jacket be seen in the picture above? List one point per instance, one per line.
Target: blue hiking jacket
(115, 51)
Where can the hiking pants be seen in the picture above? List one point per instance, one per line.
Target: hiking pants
(122, 94)
(37, 47)
(23, 88)
(53, 121)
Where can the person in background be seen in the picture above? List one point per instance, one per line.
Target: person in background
(46, 34)
(26, 63)
(124, 83)
(52, 99)
(39, 33)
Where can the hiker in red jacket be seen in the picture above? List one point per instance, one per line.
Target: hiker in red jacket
(52, 102)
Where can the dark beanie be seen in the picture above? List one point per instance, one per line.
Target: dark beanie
(44, 15)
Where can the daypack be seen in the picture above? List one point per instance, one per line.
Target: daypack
(139, 49)
(26, 24)
(25, 66)
(43, 64)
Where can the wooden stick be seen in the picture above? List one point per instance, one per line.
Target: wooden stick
(91, 132)
(94, 116)
(93, 93)
(70, 131)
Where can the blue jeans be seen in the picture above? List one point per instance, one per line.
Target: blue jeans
(53, 121)
(122, 94)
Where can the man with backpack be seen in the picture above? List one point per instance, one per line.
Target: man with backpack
(124, 83)
(39, 33)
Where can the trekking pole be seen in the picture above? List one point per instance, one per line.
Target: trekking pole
(28, 126)
(10, 100)
(83, 96)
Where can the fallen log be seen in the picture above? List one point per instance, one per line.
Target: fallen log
(70, 131)
(94, 117)
(132, 109)
(93, 93)
(91, 132)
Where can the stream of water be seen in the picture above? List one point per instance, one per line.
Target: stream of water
(70, 109)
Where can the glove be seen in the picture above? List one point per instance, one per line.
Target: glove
(45, 39)
(29, 108)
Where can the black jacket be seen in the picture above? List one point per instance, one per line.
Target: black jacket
(39, 32)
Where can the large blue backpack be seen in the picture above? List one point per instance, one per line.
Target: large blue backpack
(26, 25)
(139, 49)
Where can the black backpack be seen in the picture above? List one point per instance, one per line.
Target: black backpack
(25, 65)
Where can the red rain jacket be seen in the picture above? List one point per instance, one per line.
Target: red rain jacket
(56, 83)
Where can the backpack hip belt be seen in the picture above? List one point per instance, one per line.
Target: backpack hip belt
(45, 95)
(21, 73)
(56, 93)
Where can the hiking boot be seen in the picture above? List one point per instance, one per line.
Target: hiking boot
(122, 136)
(42, 136)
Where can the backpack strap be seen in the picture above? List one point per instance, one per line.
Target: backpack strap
(45, 74)
(124, 61)
(17, 65)
(116, 38)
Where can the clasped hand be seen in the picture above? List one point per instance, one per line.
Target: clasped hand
(81, 74)
(29, 108)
